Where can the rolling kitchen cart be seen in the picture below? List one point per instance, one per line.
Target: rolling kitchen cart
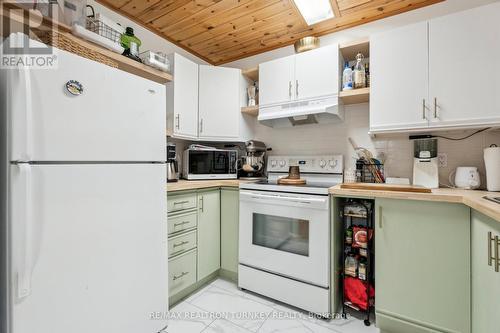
(358, 256)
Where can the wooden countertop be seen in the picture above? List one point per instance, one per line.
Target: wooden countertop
(473, 199)
(183, 185)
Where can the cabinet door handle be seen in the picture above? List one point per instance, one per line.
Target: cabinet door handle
(296, 88)
(380, 217)
(490, 258)
(290, 89)
(180, 276)
(497, 257)
(180, 244)
(201, 204)
(424, 108)
(177, 121)
(435, 108)
(201, 125)
(181, 202)
(493, 254)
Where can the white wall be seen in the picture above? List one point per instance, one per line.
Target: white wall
(324, 139)
(150, 41)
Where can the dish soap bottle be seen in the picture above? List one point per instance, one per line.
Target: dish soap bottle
(131, 44)
(347, 77)
(359, 72)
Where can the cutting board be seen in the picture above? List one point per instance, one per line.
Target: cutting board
(290, 181)
(385, 187)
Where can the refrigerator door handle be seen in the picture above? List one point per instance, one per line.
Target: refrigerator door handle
(25, 226)
(28, 125)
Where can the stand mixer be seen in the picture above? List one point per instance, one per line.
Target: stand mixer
(253, 163)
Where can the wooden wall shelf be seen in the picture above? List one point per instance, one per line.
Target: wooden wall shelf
(252, 73)
(126, 64)
(355, 96)
(351, 49)
(250, 110)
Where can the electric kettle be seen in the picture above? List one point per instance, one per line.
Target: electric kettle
(466, 178)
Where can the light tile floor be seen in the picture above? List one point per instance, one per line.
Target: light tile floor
(221, 307)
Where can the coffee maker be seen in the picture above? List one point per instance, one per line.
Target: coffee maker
(172, 164)
(425, 163)
(253, 162)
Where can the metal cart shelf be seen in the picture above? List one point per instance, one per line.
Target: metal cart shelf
(359, 213)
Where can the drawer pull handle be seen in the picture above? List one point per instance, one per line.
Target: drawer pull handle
(176, 277)
(180, 223)
(181, 202)
(180, 244)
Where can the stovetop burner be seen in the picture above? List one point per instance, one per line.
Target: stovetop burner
(320, 173)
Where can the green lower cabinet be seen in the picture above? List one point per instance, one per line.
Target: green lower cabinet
(422, 266)
(208, 232)
(230, 204)
(485, 279)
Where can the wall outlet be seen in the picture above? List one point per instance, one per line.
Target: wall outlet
(442, 160)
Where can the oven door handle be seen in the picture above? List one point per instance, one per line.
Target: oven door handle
(284, 198)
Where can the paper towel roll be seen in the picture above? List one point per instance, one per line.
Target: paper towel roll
(492, 162)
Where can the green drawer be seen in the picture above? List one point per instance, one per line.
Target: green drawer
(181, 272)
(182, 243)
(182, 222)
(179, 202)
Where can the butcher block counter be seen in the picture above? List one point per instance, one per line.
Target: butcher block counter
(471, 198)
(184, 185)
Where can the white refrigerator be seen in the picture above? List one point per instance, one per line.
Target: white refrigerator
(84, 240)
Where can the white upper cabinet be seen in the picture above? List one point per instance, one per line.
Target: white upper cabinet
(219, 103)
(316, 73)
(464, 68)
(451, 62)
(399, 79)
(276, 81)
(302, 76)
(182, 98)
(204, 102)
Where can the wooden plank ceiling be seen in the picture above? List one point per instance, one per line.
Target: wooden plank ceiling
(220, 31)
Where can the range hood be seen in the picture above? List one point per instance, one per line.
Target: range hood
(312, 111)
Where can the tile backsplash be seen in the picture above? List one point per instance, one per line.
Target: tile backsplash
(328, 138)
(398, 149)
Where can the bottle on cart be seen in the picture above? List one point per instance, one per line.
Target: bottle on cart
(348, 236)
(362, 269)
(351, 265)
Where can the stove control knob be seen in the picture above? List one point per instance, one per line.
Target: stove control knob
(322, 163)
(282, 163)
(274, 163)
(333, 163)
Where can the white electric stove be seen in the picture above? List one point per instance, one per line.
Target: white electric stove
(284, 234)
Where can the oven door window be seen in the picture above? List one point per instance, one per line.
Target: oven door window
(208, 162)
(281, 233)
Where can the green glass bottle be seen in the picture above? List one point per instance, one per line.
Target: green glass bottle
(131, 44)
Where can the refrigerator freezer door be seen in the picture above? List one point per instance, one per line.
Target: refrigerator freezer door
(97, 243)
(85, 111)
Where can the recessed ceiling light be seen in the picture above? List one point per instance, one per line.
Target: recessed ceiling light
(314, 11)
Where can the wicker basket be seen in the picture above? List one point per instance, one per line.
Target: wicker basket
(62, 42)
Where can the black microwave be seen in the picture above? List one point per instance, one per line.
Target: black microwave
(200, 164)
